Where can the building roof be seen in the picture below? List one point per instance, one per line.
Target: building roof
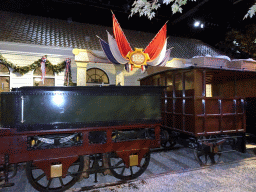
(21, 28)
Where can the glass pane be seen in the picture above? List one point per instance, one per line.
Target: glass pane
(47, 82)
(4, 69)
(169, 83)
(5, 84)
(222, 83)
(38, 72)
(199, 83)
(96, 76)
(189, 84)
(178, 85)
(162, 81)
(156, 80)
(90, 72)
(208, 90)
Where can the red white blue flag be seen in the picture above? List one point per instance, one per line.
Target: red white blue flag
(118, 48)
(105, 47)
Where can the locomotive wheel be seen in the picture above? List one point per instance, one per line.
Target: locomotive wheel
(206, 158)
(118, 169)
(38, 180)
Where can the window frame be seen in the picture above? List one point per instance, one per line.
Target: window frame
(96, 83)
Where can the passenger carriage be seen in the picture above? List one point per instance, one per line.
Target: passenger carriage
(204, 108)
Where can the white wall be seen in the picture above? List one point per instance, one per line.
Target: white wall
(25, 54)
(131, 78)
(18, 80)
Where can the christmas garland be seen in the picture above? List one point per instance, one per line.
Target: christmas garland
(25, 69)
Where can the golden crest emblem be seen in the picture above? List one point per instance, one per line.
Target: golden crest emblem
(138, 58)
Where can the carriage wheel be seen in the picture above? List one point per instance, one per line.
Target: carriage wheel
(168, 144)
(206, 158)
(118, 169)
(166, 141)
(38, 180)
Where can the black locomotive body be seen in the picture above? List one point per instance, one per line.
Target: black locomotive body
(58, 131)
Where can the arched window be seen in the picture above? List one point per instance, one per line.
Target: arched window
(4, 78)
(96, 76)
(49, 77)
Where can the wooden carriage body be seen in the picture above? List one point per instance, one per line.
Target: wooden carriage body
(202, 101)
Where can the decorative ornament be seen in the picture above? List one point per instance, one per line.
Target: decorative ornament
(128, 67)
(67, 70)
(25, 69)
(43, 61)
(138, 58)
(118, 50)
(143, 68)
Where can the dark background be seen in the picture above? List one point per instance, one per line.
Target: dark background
(218, 16)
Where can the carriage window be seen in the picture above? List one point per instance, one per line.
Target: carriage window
(156, 80)
(162, 81)
(208, 90)
(149, 81)
(178, 85)
(96, 76)
(49, 78)
(169, 83)
(4, 78)
(189, 84)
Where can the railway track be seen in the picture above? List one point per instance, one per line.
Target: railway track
(162, 162)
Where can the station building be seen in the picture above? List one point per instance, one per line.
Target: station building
(25, 39)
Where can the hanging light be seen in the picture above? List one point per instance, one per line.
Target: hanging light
(197, 23)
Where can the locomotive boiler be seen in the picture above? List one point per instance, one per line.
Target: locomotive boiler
(64, 132)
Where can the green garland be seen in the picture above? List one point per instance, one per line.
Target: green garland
(23, 70)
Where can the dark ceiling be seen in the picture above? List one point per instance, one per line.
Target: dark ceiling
(218, 16)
